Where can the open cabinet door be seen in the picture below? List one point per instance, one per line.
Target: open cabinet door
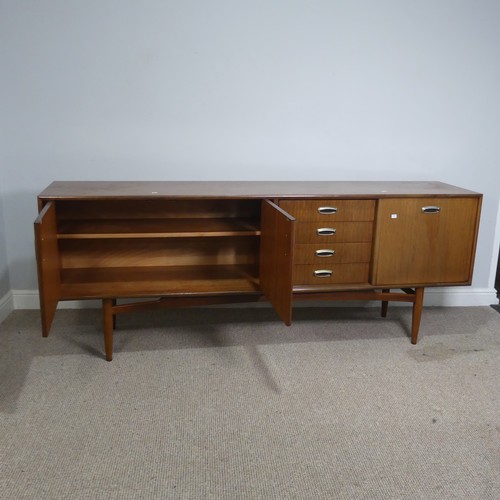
(276, 258)
(47, 257)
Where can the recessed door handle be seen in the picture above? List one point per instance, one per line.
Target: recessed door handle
(327, 210)
(323, 273)
(326, 231)
(431, 210)
(324, 252)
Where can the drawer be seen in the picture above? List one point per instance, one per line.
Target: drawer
(341, 232)
(334, 274)
(330, 210)
(325, 255)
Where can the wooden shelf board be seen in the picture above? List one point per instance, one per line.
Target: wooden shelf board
(156, 228)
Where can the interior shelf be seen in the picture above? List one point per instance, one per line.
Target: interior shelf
(158, 281)
(156, 228)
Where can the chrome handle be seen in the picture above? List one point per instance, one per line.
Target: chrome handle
(327, 210)
(326, 231)
(324, 252)
(323, 273)
(431, 210)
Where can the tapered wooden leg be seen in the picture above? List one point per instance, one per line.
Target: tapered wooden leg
(417, 313)
(114, 315)
(107, 322)
(385, 303)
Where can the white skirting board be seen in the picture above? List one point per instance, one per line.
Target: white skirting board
(6, 305)
(439, 297)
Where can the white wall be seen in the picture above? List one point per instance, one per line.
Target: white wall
(276, 89)
(6, 298)
(4, 269)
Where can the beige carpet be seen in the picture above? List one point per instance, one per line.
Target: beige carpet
(231, 404)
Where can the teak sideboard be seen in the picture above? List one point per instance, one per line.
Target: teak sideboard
(176, 244)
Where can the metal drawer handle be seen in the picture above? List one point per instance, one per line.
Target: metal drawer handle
(324, 252)
(323, 273)
(431, 210)
(327, 210)
(326, 231)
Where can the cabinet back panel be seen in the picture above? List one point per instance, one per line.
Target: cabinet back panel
(116, 282)
(156, 209)
(157, 252)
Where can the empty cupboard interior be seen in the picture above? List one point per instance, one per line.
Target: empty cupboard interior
(152, 247)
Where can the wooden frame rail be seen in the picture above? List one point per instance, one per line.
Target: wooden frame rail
(111, 308)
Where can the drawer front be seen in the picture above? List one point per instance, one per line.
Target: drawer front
(336, 253)
(331, 274)
(330, 210)
(340, 232)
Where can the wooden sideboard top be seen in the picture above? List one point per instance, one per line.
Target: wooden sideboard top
(67, 190)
